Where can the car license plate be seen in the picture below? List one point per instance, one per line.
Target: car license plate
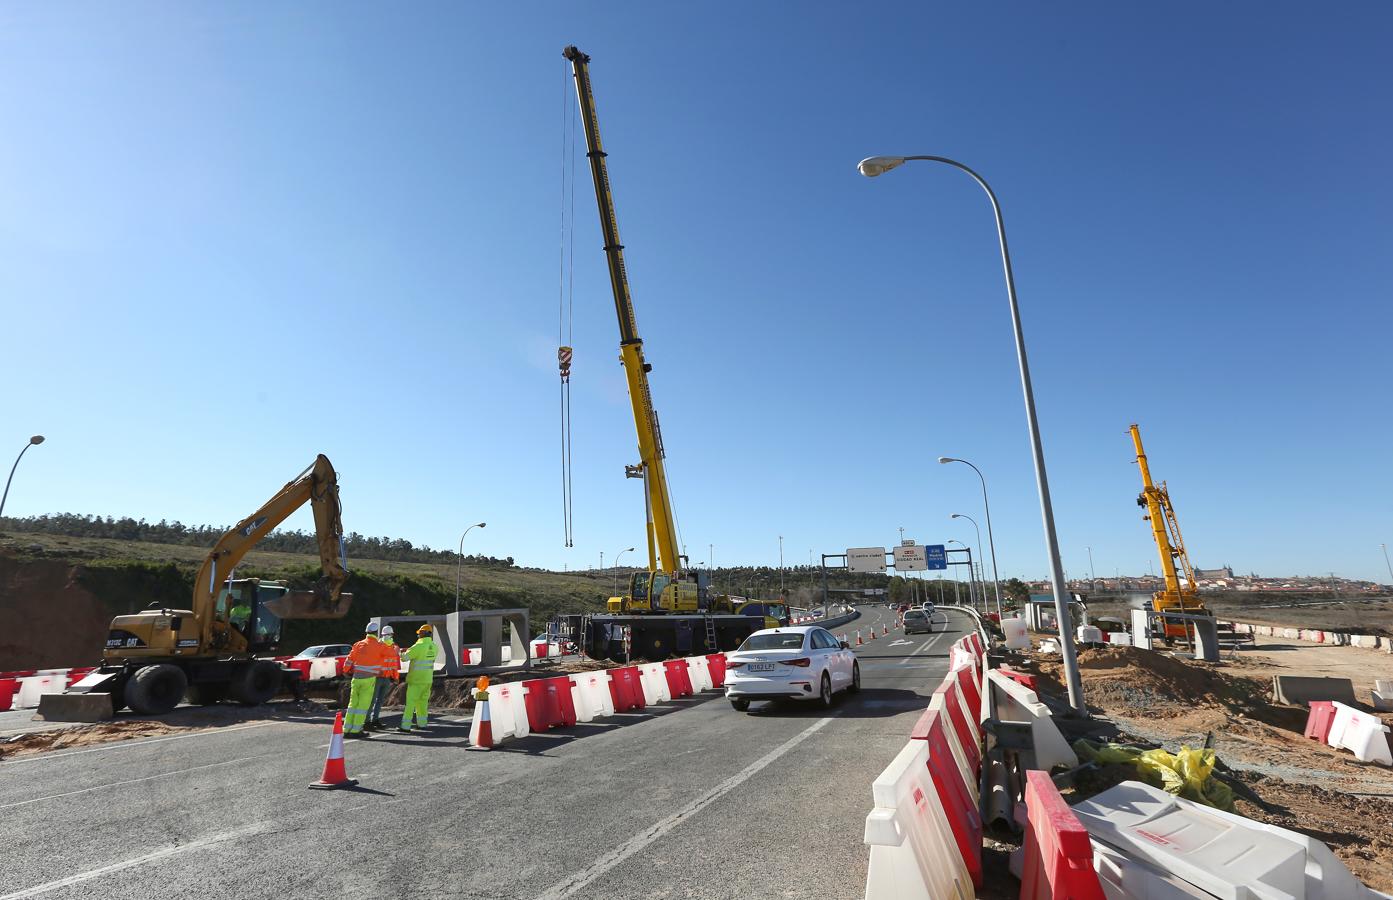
(761, 667)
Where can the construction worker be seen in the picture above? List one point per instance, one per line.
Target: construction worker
(421, 656)
(364, 664)
(391, 674)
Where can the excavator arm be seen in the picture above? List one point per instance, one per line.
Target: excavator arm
(318, 484)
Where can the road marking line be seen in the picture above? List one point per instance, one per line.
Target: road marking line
(121, 745)
(137, 861)
(638, 842)
(132, 781)
(922, 647)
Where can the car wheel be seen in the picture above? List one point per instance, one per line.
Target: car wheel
(824, 695)
(855, 678)
(740, 705)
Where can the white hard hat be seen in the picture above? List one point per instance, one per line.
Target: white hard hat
(387, 631)
(372, 628)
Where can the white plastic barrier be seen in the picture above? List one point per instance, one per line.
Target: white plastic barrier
(1383, 695)
(1014, 702)
(914, 855)
(507, 713)
(699, 671)
(323, 668)
(653, 677)
(1016, 638)
(591, 696)
(1361, 734)
(32, 687)
(1231, 857)
(1124, 878)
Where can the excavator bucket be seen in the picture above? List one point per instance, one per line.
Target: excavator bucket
(309, 605)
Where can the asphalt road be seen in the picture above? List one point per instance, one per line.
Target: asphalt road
(688, 800)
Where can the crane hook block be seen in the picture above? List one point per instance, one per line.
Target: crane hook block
(563, 361)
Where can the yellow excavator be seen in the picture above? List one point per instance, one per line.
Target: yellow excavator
(1171, 548)
(155, 657)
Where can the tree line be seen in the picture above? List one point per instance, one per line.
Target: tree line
(164, 532)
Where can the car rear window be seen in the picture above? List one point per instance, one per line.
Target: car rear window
(916, 614)
(783, 640)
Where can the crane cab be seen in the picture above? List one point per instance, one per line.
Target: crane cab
(683, 591)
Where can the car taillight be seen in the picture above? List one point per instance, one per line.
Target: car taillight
(733, 665)
(801, 662)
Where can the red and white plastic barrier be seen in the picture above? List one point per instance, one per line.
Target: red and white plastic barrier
(914, 851)
(653, 677)
(590, 695)
(1058, 852)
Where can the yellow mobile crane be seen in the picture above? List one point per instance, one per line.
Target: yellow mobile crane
(650, 614)
(154, 657)
(1171, 548)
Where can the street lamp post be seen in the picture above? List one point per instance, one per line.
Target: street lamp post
(1387, 563)
(979, 554)
(616, 567)
(971, 574)
(459, 560)
(36, 439)
(1092, 577)
(991, 542)
(878, 165)
(781, 564)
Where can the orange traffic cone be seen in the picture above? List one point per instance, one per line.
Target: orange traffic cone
(334, 775)
(887, 630)
(481, 729)
(859, 642)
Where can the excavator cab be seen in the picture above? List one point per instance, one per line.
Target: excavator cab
(243, 604)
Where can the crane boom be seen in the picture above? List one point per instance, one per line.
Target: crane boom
(662, 529)
(1170, 546)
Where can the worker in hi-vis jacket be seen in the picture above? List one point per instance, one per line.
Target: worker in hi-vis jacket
(421, 658)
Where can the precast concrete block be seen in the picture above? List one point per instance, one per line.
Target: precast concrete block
(1300, 690)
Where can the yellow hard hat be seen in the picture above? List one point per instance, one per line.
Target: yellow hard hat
(424, 629)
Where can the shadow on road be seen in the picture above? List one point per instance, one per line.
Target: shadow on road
(871, 703)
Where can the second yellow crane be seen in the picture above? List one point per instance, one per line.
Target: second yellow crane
(1177, 597)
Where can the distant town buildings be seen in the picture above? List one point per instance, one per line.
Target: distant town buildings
(1222, 579)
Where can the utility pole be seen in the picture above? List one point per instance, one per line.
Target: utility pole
(781, 564)
(1387, 563)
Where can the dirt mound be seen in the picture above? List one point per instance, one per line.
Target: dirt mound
(1127, 681)
(47, 619)
(1358, 829)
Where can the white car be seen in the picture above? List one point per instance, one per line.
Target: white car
(801, 663)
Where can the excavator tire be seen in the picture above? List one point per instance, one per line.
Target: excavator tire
(155, 690)
(255, 683)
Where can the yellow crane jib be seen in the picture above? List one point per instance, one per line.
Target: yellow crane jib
(1170, 547)
(665, 588)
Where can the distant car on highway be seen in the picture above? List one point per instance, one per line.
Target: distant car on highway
(902, 608)
(320, 651)
(918, 620)
(802, 663)
(927, 606)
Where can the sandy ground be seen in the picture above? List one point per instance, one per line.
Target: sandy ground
(1287, 657)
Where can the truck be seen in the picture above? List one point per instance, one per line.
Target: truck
(210, 650)
(670, 607)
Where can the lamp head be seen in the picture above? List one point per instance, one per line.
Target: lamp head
(482, 525)
(955, 516)
(629, 550)
(878, 165)
(946, 459)
(37, 439)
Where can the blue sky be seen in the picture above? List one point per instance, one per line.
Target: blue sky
(233, 236)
